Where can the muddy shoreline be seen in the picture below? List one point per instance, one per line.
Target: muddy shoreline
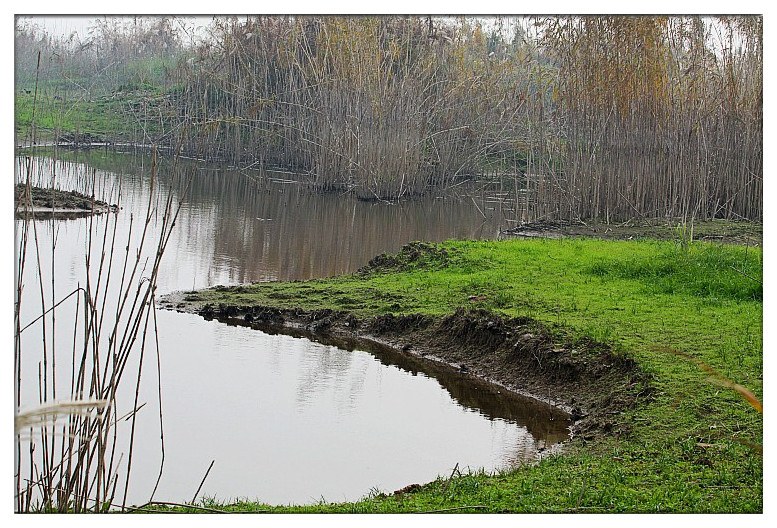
(718, 230)
(589, 381)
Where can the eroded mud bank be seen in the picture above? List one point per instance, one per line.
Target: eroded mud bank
(586, 379)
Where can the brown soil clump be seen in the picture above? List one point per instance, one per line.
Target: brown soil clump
(413, 255)
(57, 202)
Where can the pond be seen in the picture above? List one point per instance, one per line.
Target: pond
(282, 418)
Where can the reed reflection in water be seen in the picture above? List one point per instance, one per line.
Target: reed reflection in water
(237, 227)
(269, 230)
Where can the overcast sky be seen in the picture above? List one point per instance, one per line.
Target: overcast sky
(64, 25)
(60, 25)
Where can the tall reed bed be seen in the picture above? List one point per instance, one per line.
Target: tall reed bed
(606, 117)
(663, 115)
(387, 107)
(592, 117)
(79, 351)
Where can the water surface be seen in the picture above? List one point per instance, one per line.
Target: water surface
(283, 419)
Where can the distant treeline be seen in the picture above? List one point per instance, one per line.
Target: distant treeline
(588, 117)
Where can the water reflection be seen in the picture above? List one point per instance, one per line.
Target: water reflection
(323, 368)
(240, 227)
(287, 233)
(547, 424)
(287, 419)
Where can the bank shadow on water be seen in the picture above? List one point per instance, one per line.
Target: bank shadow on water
(548, 425)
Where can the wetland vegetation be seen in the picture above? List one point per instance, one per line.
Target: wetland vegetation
(614, 166)
(683, 325)
(587, 117)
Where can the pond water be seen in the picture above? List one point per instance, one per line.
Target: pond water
(282, 418)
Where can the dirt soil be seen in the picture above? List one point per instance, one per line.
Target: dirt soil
(723, 231)
(411, 255)
(83, 140)
(588, 380)
(57, 202)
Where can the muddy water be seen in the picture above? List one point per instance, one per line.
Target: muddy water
(283, 419)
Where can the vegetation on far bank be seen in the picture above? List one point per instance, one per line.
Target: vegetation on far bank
(689, 314)
(67, 116)
(604, 117)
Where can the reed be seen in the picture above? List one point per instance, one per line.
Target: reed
(387, 107)
(70, 454)
(610, 117)
(606, 117)
(664, 115)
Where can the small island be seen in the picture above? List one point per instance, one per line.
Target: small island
(38, 201)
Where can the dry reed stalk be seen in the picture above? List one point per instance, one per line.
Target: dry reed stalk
(720, 379)
(662, 119)
(77, 467)
(50, 412)
(387, 107)
(588, 117)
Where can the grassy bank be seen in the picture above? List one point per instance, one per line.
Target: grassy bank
(677, 309)
(136, 115)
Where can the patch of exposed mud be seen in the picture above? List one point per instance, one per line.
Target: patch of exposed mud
(82, 140)
(723, 231)
(588, 380)
(65, 204)
(413, 255)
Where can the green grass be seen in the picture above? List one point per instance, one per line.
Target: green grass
(695, 448)
(130, 113)
(123, 104)
(66, 114)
